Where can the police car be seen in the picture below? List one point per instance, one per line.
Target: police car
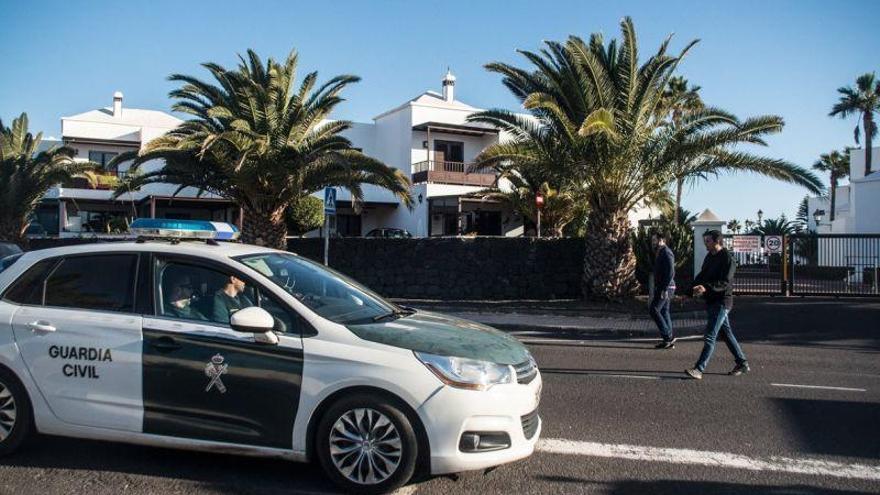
(181, 341)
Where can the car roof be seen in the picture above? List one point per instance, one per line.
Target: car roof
(196, 248)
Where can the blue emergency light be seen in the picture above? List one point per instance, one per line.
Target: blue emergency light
(162, 228)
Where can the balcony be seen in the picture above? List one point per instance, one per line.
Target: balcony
(455, 173)
(100, 179)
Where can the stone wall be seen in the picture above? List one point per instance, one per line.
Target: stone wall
(457, 268)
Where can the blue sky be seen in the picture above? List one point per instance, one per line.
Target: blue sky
(755, 57)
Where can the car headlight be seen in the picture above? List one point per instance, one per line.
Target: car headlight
(466, 373)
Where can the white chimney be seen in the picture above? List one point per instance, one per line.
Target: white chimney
(449, 86)
(117, 104)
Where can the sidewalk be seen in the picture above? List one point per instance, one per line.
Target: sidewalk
(568, 319)
(853, 322)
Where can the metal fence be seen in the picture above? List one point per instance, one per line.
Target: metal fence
(834, 264)
(807, 264)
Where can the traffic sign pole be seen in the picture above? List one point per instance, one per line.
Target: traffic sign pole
(329, 209)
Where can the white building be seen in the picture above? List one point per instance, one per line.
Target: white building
(430, 140)
(857, 209)
(76, 209)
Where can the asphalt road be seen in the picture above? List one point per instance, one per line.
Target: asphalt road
(633, 426)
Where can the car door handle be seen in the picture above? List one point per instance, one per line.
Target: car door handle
(41, 326)
(165, 344)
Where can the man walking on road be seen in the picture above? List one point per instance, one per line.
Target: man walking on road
(715, 284)
(664, 289)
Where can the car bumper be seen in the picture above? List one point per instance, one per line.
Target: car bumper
(504, 408)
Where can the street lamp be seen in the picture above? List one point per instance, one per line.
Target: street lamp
(760, 216)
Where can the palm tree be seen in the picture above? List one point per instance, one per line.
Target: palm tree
(26, 173)
(803, 214)
(734, 226)
(776, 226)
(679, 99)
(863, 100)
(597, 107)
(256, 139)
(836, 164)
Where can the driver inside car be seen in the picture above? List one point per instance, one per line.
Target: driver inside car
(229, 299)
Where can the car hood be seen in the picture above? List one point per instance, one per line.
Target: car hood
(435, 333)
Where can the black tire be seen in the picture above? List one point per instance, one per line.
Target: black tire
(409, 447)
(12, 392)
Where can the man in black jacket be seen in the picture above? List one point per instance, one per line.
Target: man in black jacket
(715, 284)
(664, 289)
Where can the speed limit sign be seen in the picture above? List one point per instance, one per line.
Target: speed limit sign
(773, 244)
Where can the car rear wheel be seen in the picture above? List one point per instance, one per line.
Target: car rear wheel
(15, 413)
(366, 445)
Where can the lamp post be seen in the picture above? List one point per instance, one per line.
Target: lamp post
(760, 217)
(817, 216)
(539, 203)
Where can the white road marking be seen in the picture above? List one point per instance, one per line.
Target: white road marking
(820, 387)
(594, 341)
(406, 490)
(708, 458)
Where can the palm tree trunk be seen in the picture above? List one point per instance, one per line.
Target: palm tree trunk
(868, 124)
(609, 263)
(833, 194)
(264, 229)
(679, 185)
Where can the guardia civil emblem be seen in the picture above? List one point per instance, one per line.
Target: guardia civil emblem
(214, 370)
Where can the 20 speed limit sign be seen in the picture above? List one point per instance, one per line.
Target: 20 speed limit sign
(773, 243)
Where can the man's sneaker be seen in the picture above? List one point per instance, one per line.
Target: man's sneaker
(694, 373)
(740, 369)
(666, 344)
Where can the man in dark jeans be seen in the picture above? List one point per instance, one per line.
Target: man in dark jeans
(664, 289)
(715, 284)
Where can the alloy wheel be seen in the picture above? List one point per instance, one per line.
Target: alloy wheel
(7, 412)
(365, 446)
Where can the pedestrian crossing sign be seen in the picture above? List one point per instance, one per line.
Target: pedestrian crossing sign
(330, 200)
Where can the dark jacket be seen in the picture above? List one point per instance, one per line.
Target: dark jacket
(716, 276)
(664, 270)
(225, 305)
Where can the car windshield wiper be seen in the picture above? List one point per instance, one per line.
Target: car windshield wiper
(397, 313)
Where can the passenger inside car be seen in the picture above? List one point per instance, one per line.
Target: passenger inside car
(178, 291)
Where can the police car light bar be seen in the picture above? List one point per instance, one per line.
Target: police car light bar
(158, 228)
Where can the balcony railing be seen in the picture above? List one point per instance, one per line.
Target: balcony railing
(457, 173)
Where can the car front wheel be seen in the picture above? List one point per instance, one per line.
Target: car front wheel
(366, 445)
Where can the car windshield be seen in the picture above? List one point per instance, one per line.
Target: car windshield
(326, 292)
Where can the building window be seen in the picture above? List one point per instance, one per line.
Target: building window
(448, 151)
(101, 157)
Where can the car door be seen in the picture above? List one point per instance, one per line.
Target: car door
(80, 337)
(205, 381)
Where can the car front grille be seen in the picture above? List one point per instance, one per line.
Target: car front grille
(530, 424)
(526, 371)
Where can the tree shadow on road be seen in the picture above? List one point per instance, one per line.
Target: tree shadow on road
(210, 472)
(685, 487)
(833, 427)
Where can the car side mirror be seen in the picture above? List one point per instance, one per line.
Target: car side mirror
(252, 320)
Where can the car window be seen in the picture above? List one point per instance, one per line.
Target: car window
(99, 282)
(326, 292)
(194, 292)
(28, 289)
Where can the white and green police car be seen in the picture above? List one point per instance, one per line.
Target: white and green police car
(233, 348)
